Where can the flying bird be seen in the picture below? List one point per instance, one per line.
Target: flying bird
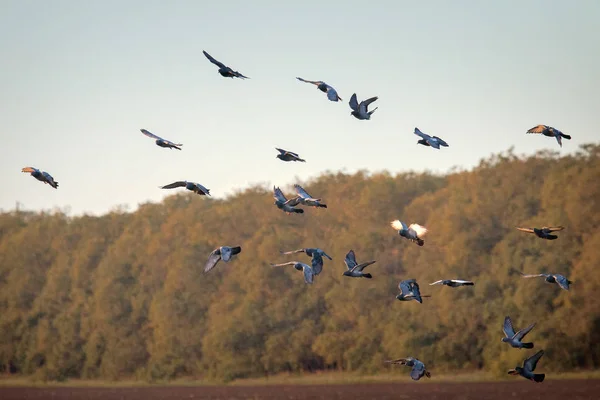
(452, 282)
(317, 257)
(323, 87)
(515, 339)
(355, 270)
(283, 203)
(560, 280)
(160, 141)
(414, 232)
(285, 155)
(360, 111)
(306, 199)
(193, 186)
(306, 269)
(409, 290)
(224, 70)
(418, 368)
(550, 132)
(528, 367)
(41, 176)
(224, 253)
(545, 232)
(432, 141)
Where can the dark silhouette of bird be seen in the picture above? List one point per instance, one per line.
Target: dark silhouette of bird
(160, 141)
(224, 70)
(285, 155)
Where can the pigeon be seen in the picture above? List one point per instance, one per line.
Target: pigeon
(409, 290)
(361, 110)
(432, 141)
(224, 70)
(160, 141)
(560, 280)
(545, 232)
(41, 176)
(452, 283)
(283, 203)
(414, 232)
(515, 339)
(224, 253)
(285, 155)
(528, 367)
(317, 257)
(307, 270)
(193, 186)
(550, 132)
(418, 368)
(323, 87)
(306, 199)
(355, 270)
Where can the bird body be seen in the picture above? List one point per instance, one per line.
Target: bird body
(361, 110)
(285, 155)
(162, 142)
(283, 203)
(323, 87)
(224, 253)
(550, 132)
(543, 233)
(317, 257)
(355, 270)
(305, 268)
(453, 282)
(528, 367)
(192, 186)
(409, 290)
(515, 338)
(41, 176)
(414, 232)
(224, 70)
(418, 368)
(559, 279)
(432, 141)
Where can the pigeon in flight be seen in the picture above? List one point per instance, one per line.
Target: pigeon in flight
(432, 141)
(283, 203)
(545, 232)
(355, 270)
(41, 176)
(160, 141)
(418, 368)
(550, 132)
(323, 87)
(528, 367)
(409, 290)
(360, 111)
(193, 186)
(224, 70)
(414, 232)
(560, 280)
(306, 199)
(224, 253)
(285, 155)
(515, 339)
(453, 283)
(306, 269)
(317, 257)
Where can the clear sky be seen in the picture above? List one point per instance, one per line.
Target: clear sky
(78, 79)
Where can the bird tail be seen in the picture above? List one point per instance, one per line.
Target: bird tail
(373, 110)
(298, 210)
(368, 276)
(420, 242)
(527, 345)
(568, 137)
(539, 378)
(551, 237)
(301, 160)
(322, 205)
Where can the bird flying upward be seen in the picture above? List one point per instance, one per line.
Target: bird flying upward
(224, 253)
(323, 87)
(224, 70)
(306, 199)
(515, 338)
(414, 232)
(528, 367)
(283, 203)
(41, 176)
(361, 110)
(162, 142)
(355, 270)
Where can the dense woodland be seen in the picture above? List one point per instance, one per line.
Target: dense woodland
(123, 295)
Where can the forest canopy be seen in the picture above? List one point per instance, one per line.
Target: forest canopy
(124, 295)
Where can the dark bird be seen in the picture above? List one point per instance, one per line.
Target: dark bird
(224, 253)
(515, 339)
(41, 176)
(306, 269)
(528, 367)
(550, 132)
(545, 232)
(224, 70)
(360, 111)
(432, 141)
(283, 203)
(560, 280)
(306, 199)
(323, 87)
(285, 155)
(193, 186)
(317, 257)
(160, 141)
(355, 270)
(414, 232)
(453, 283)
(409, 290)
(418, 368)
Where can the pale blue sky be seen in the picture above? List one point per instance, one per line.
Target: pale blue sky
(78, 79)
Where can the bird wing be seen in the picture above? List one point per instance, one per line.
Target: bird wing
(531, 362)
(293, 202)
(212, 60)
(278, 195)
(308, 273)
(521, 334)
(203, 189)
(282, 151)
(239, 75)
(174, 185)
(532, 275)
(350, 260)
(528, 230)
(225, 253)
(562, 281)
(213, 259)
(317, 263)
(307, 81)
(440, 282)
(398, 225)
(508, 328)
(332, 94)
(292, 251)
(284, 264)
(29, 169)
(353, 102)
(405, 287)
(362, 266)
(463, 282)
(400, 361)
(433, 143)
(236, 250)
(553, 228)
(441, 141)
(150, 134)
(364, 105)
(418, 370)
(421, 134)
(420, 230)
(538, 129)
(301, 192)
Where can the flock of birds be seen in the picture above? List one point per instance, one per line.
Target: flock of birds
(409, 288)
